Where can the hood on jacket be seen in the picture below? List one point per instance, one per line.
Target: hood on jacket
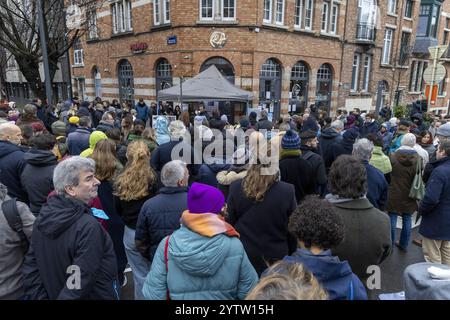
(406, 157)
(59, 214)
(387, 125)
(95, 137)
(198, 255)
(417, 116)
(6, 148)
(40, 158)
(329, 133)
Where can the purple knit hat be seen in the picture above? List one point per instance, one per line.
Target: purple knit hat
(203, 198)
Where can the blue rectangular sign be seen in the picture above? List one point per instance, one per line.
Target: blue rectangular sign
(172, 40)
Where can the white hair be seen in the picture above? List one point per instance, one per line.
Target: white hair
(172, 172)
(67, 172)
(337, 124)
(362, 149)
(177, 129)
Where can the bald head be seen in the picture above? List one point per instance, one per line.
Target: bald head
(10, 132)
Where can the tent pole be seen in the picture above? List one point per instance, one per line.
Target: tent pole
(181, 93)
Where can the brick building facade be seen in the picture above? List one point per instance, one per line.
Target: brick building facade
(289, 53)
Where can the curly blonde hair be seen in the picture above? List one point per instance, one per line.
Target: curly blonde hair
(133, 183)
(288, 281)
(106, 162)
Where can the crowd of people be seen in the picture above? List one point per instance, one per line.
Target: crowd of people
(89, 188)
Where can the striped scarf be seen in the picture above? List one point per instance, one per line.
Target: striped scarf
(207, 224)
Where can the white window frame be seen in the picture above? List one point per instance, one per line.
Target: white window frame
(334, 18)
(223, 11)
(92, 25)
(121, 16)
(166, 11)
(309, 7)
(367, 69)
(387, 46)
(355, 71)
(156, 13)
(392, 6)
(212, 11)
(298, 13)
(325, 15)
(270, 11)
(276, 12)
(78, 58)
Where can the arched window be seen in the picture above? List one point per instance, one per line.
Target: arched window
(324, 87)
(163, 75)
(270, 86)
(223, 65)
(299, 87)
(97, 82)
(126, 81)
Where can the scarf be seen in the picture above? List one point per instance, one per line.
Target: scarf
(290, 153)
(207, 224)
(333, 198)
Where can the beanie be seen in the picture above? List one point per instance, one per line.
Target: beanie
(290, 141)
(444, 130)
(59, 128)
(351, 134)
(244, 123)
(74, 120)
(307, 135)
(224, 118)
(409, 140)
(203, 198)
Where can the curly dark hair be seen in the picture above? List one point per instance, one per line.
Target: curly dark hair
(347, 178)
(316, 222)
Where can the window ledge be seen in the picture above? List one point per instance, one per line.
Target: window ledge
(414, 92)
(330, 35)
(93, 40)
(122, 34)
(385, 65)
(407, 19)
(277, 26)
(392, 14)
(442, 96)
(366, 93)
(161, 27)
(402, 66)
(78, 66)
(217, 22)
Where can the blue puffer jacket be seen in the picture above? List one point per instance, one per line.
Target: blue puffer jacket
(435, 206)
(159, 217)
(200, 268)
(377, 191)
(334, 275)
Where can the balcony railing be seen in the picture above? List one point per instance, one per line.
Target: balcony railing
(365, 32)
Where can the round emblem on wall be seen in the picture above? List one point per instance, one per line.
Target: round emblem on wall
(218, 39)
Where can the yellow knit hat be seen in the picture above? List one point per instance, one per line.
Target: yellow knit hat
(74, 120)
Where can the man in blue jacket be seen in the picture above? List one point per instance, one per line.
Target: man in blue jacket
(12, 162)
(142, 110)
(435, 210)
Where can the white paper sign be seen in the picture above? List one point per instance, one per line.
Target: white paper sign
(267, 95)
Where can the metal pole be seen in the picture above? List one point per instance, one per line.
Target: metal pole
(181, 93)
(48, 83)
(430, 93)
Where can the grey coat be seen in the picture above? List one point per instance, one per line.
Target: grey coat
(367, 239)
(11, 252)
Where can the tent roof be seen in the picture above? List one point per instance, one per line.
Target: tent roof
(207, 85)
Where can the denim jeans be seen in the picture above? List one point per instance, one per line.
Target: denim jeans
(139, 265)
(406, 229)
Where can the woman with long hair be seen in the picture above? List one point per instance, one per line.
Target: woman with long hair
(135, 185)
(107, 167)
(259, 207)
(126, 127)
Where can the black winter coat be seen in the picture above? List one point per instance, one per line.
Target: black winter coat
(37, 177)
(159, 217)
(326, 140)
(319, 173)
(298, 172)
(263, 225)
(11, 168)
(67, 239)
